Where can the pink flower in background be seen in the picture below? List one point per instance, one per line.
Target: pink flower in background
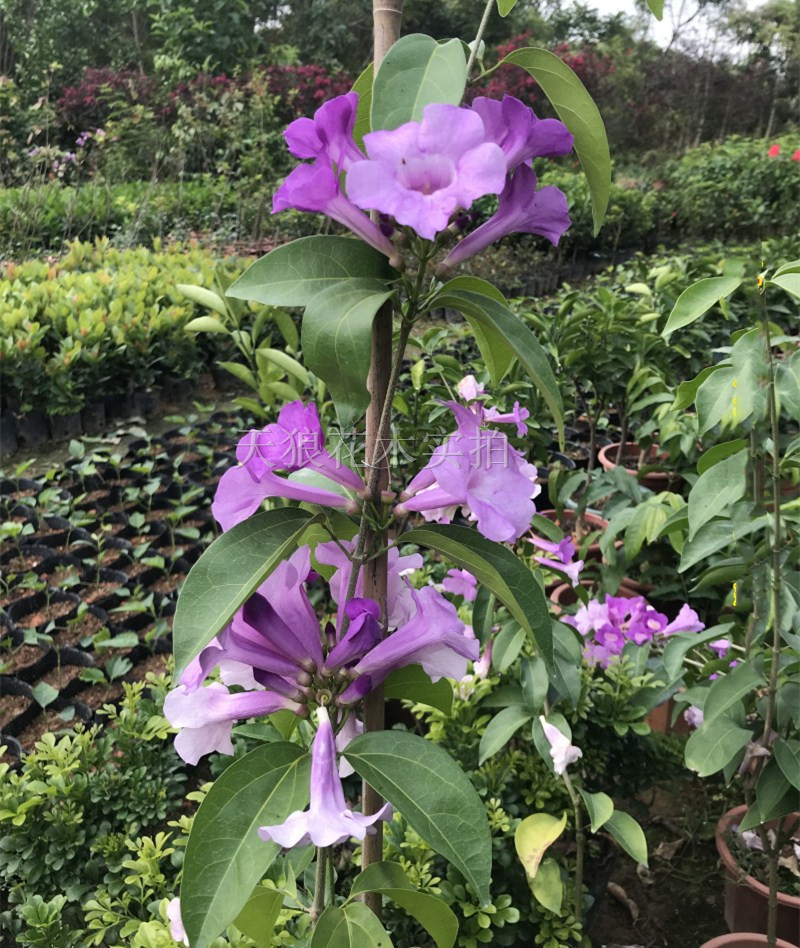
(774, 151)
(459, 582)
(328, 821)
(421, 172)
(796, 155)
(562, 750)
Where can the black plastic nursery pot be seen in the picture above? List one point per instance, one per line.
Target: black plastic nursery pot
(65, 427)
(25, 661)
(33, 429)
(144, 402)
(41, 609)
(93, 417)
(17, 705)
(116, 405)
(8, 434)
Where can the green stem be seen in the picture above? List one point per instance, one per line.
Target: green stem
(320, 883)
(580, 846)
(479, 36)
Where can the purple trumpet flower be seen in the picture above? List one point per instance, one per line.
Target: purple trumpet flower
(460, 582)
(478, 470)
(433, 638)
(206, 716)
(294, 443)
(328, 820)
(421, 172)
(522, 209)
(329, 135)
(399, 601)
(720, 646)
(519, 132)
(562, 555)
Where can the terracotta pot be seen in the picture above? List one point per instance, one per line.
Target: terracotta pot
(660, 719)
(568, 524)
(744, 940)
(746, 899)
(655, 481)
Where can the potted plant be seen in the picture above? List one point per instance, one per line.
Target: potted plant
(746, 709)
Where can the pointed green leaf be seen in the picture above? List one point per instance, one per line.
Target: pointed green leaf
(534, 835)
(258, 917)
(787, 753)
(205, 324)
(293, 274)
(412, 684)
(656, 8)
(430, 911)
(535, 682)
(599, 806)
(712, 746)
(576, 109)
(228, 573)
(730, 689)
(416, 72)
(773, 797)
(351, 926)
(698, 299)
(506, 331)
(716, 489)
(336, 336)
(789, 282)
(363, 86)
(433, 793)
(627, 832)
(547, 887)
(225, 857)
(496, 568)
(501, 729)
(718, 453)
(203, 297)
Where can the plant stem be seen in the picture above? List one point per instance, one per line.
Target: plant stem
(320, 883)
(479, 36)
(580, 846)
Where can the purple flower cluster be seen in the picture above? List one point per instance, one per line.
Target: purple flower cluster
(278, 651)
(423, 175)
(608, 626)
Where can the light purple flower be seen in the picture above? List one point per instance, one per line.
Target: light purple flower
(687, 620)
(294, 443)
(434, 638)
(751, 839)
(522, 209)
(562, 751)
(720, 646)
(518, 417)
(363, 633)
(562, 555)
(206, 716)
(478, 470)
(316, 189)
(460, 582)
(329, 135)
(328, 821)
(693, 716)
(351, 728)
(519, 132)
(399, 601)
(176, 928)
(469, 388)
(421, 172)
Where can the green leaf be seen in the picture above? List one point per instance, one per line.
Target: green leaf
(547, 887)
(504, 328)
(599, 806)
(687, 391)
(433, 793)
(225, 857)
(430, 911)
(496, 568)
(771, 801)
(789, 282)
(576, 109)
(240, 372)
(504, 7)
(501, 729)
(534, 835)
(507, 645)
(698, 299)
(729, 690)
(787, 754)
(716, 489)
(416, 72)
(412, 684)
(656, 8)
(535, 682)
(284, 361)
(716, 536)
(719, 452)
(204, 297)
(228, 573)
(336, 336)
(678, 645)
(205, 324)
(497, 353)
(712, 746)
(351, 926)
(715, 398)
(293, 274)
(627, 832)
(258, 917)
(363, 86)
(44, 694)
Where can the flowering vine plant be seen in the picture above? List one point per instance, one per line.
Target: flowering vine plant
(309, 611)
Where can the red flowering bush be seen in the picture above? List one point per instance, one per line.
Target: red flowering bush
(88, 104)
